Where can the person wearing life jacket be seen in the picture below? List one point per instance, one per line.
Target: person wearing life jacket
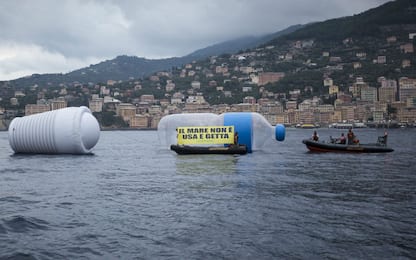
(315, 136)
(350, 136)
(342, 139)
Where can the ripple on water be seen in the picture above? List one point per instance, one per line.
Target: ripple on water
(133, 200)
(19, 256)
(22, 224)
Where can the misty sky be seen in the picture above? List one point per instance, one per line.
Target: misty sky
(50, 36)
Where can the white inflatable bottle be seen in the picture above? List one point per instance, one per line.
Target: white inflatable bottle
(253, 129)
(71, 130)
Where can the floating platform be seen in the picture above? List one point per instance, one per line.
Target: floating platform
(187, 149)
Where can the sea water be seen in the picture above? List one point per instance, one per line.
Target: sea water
(133, 200)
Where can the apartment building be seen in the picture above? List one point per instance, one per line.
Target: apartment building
(368, 94)
(139, 121)
(388, 91)
(126, 111)
(96, 104)
(58, 103)
(270, 77)
(407, 88)
(31, 109)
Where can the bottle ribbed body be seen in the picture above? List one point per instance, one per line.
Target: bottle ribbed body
(33, 134)
(71, 130)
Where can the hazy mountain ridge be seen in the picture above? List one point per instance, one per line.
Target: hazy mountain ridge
(125, 67)
(233, 46)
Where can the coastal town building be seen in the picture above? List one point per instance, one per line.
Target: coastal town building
(368, 94)
(31, 109)
(139, 121)
(269, 77)
(126, 111)
(407, 88)
(96, 104)
(388, 90)
(58, 103)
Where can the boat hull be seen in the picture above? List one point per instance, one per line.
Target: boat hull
(186, 149)
(343, 148)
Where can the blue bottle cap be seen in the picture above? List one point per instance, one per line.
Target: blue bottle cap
(279, 132)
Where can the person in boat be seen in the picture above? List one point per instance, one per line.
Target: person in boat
(383, 139)
(350, 136)
(236, 138)
(342, 139)
(315, 136)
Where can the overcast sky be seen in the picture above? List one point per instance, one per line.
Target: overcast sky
(50, 36)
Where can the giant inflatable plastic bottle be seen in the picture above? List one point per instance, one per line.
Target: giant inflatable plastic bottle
(253, 129)
(71, 130)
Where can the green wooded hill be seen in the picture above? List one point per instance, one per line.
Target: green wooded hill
(377, 22)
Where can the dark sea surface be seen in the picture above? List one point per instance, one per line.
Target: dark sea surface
(133, 200)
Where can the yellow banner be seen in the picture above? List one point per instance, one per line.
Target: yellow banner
(205, 135)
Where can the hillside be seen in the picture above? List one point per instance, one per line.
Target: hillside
(343, 49)
(377, 22)
(367, 45)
